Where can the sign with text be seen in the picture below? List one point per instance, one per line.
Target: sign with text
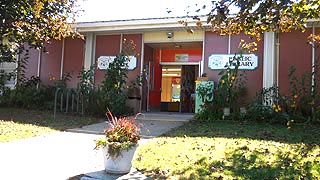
(104, 61)
(219, 61)
(182, 57)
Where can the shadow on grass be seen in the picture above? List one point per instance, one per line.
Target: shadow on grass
(299, 133)
(241, 164)
(45, 118)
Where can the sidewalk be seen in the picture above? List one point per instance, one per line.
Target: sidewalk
(63, 155)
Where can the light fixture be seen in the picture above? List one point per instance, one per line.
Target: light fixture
(170, 35)
(171, 69)
(171, 74)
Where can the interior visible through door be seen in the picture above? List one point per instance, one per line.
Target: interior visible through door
(178, 88)
(170, 88)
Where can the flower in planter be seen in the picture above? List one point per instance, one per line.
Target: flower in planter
(123, 134)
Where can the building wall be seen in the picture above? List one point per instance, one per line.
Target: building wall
(51, 62)
(106, 45)
(294, 51)
(215, 44)
(32, 64)
(109, 45)
(73, 59)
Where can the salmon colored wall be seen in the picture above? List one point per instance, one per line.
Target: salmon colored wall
(168, 55)
(215, 44)
(51, 62)
(73, 59)
(255, 77)
(32, 65)
(106, 45)
(109, 45)
(294, 51)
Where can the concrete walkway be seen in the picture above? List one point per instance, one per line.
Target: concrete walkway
(70, 155)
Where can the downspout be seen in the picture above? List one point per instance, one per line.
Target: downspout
(39, 65)
(62, 59)
(141, 68)
(277, 57)
(160, 56)
(93, 57)
(313, 66)
(313, 59)
(121, 40)
(17, 65)
(201, 70)
(229, 44)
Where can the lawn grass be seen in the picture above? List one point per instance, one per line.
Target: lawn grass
(232, 150)
(20, 123)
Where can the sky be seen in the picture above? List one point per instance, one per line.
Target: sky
(106, 10)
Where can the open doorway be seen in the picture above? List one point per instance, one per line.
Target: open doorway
(170, 88)
(178, 88)
(172, 68)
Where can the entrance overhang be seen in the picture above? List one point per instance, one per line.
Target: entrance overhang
(179, 63)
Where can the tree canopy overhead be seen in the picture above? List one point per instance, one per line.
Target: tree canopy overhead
(33, 22)
(256, 16)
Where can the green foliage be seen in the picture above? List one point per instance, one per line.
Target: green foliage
(231, 82)
(112, 89)
(303, 98)
(123, 134)
(86, 84)
(257, 16)
(28, 92)
(297, 107)
(231, 88)
(209, 113)
(28, 96)
(33, 23)
(62, 83)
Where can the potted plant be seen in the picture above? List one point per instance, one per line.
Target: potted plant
(119, 144)
(203, 77)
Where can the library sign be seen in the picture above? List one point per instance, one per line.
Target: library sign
(219, 61)
(104, 61)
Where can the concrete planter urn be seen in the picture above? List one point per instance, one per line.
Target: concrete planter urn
(119, 144)
(120, 164)
(226, 112)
